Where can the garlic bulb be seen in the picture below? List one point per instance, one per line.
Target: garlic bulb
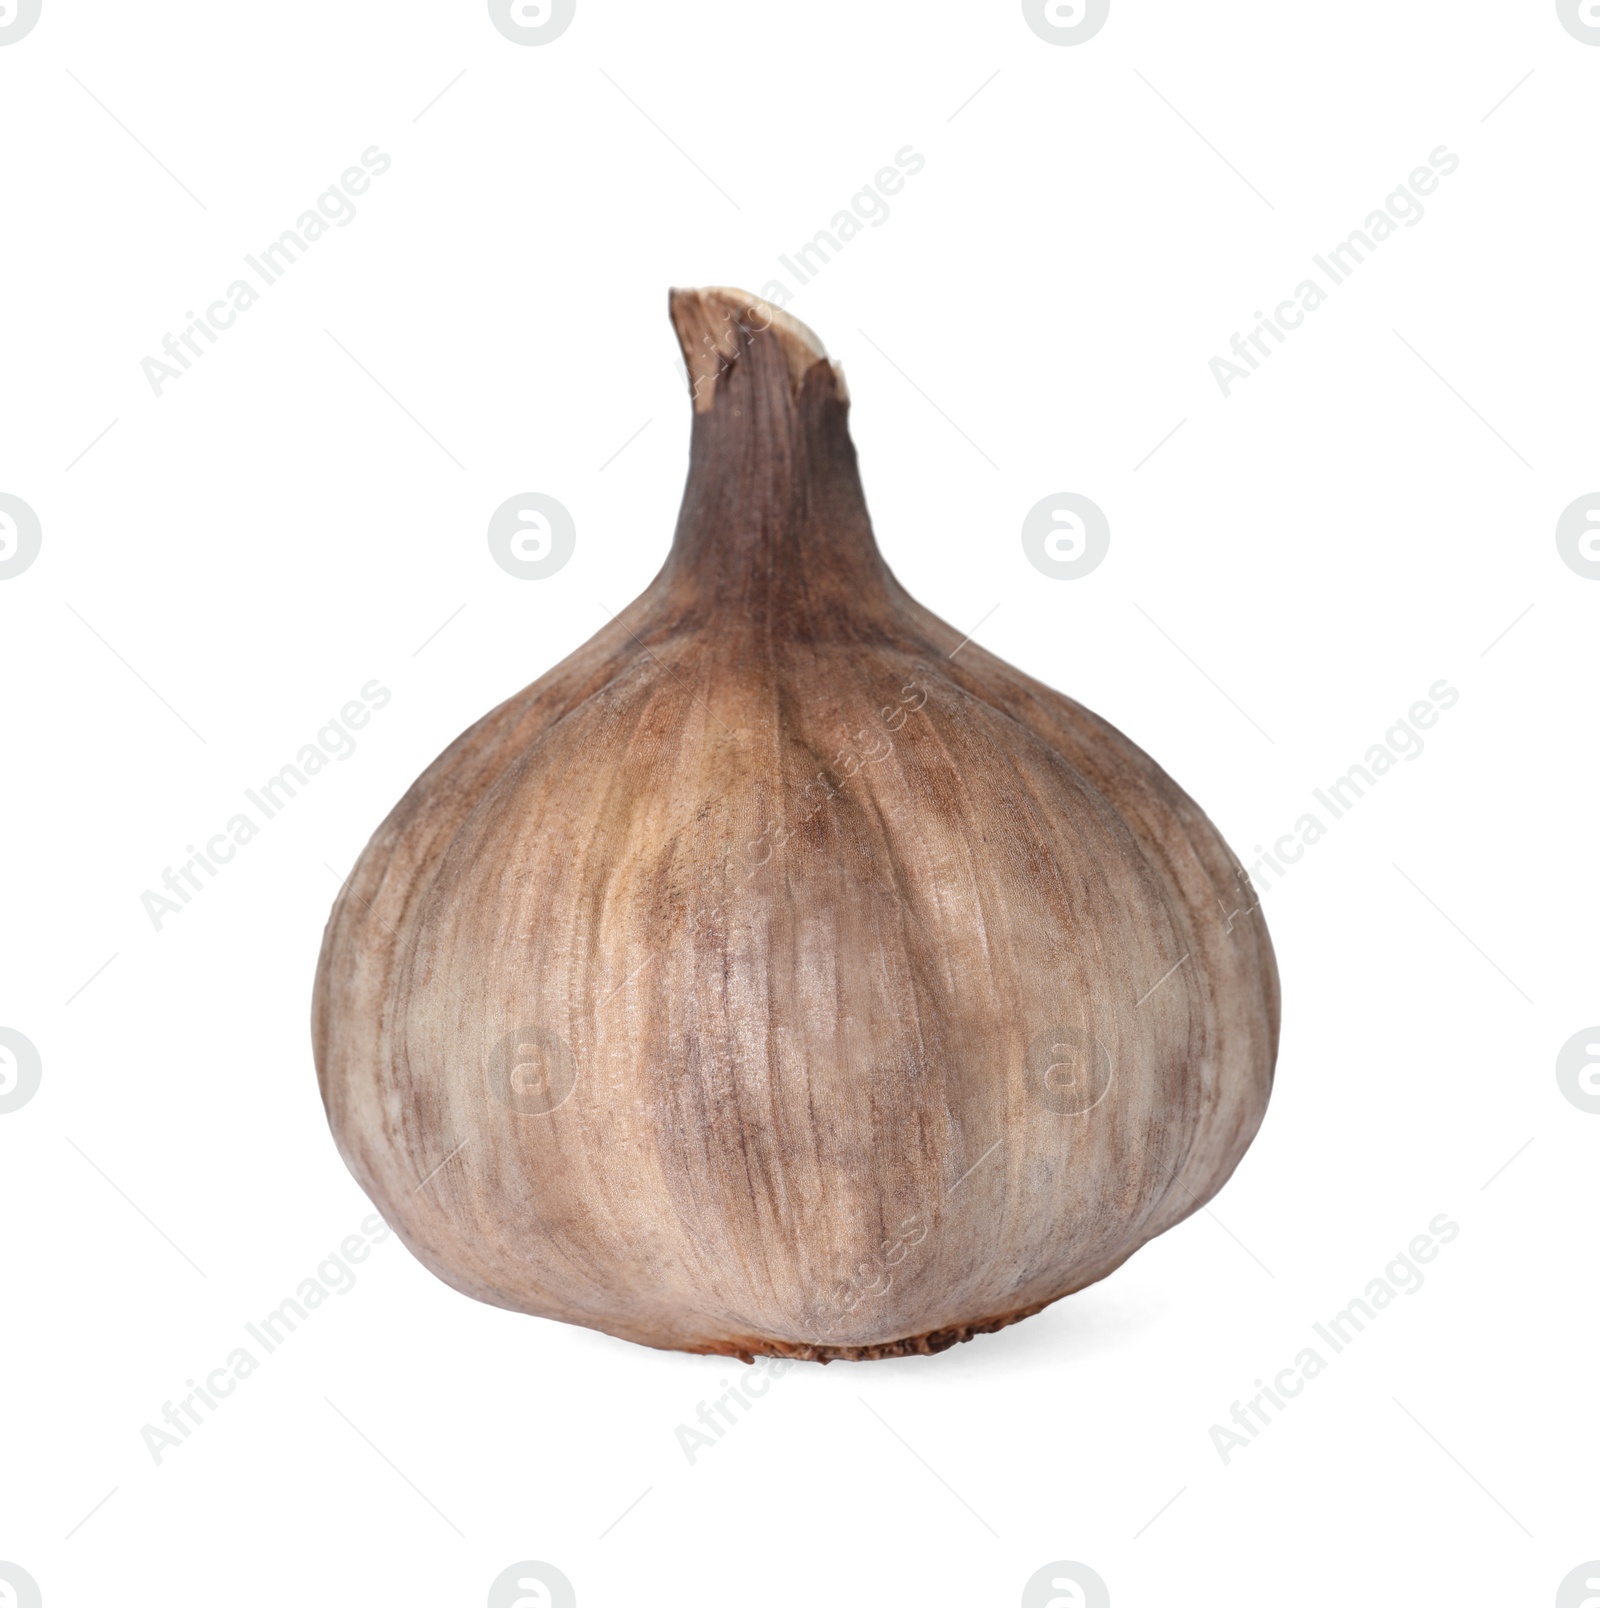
(772, 977)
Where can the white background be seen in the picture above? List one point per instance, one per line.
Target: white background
(227, 565)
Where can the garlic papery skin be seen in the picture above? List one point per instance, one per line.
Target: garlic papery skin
(771, 976)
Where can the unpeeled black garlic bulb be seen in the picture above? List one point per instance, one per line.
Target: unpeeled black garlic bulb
(772, 977)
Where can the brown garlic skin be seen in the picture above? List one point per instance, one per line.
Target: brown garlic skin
(772, 980)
